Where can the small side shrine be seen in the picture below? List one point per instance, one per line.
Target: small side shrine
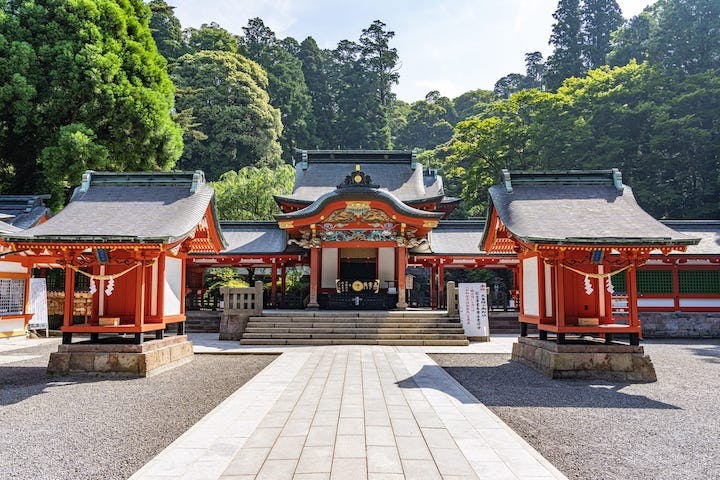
(130, 235)
(14, 288)
(573, 233)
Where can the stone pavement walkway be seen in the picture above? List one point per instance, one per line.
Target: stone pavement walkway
(349, 412)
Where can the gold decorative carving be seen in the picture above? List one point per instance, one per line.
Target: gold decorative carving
(285, 224)
(430, 223)
(357, 208)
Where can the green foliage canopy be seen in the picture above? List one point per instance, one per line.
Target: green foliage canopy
(248, 193)
(82, 86)
(228, 97)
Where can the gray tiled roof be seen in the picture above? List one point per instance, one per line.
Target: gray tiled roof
(457, 237)
(253, 237)
(24, 211)
(321, 171)
(577, 208)
(708, 231)
(7, 228)
(128, 207)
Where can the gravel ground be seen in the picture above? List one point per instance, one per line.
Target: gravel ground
(669, 429)
(83, 427)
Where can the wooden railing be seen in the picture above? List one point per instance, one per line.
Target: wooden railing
(243, 301)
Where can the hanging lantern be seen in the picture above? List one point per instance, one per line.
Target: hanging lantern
(110, 287)
(588, 285)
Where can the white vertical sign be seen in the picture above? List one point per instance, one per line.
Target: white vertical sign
(38, 304)
(473, 308)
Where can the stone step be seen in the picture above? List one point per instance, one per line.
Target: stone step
(354, 319)
(351, 325)
(351, 341)
(365, 336)
(440, 331)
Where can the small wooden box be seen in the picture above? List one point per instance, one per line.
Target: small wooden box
(588, 322)
(109, 321)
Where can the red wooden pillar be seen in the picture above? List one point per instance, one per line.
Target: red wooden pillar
(273, 285)
(183, 282)
(69, 297)
(441, 285)
(632, 296)
(433, 286)
(314, 277)
(140, 295)
(676, 286)
(283, 282)
(161, 288)
(401, 257)
(560, 294)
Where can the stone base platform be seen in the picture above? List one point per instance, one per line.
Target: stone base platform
(149, 358)
(585, 359)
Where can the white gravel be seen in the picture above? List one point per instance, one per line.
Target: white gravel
(84, 427)
(669, 429)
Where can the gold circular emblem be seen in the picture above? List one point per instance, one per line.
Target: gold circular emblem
(358, 178)
(357, 285)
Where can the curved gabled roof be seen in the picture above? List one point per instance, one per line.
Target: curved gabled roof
(358, 193)
(129, 208)
(24, 211)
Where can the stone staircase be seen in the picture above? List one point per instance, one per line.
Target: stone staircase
(300, 327)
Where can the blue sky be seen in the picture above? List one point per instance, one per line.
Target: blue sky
(452, 46)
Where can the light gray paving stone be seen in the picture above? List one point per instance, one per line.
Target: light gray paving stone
(287, 448)
(377, 417)
(351, 426)
(315, 460)
(326, 418)
(276, 469)
(437, 437)
(380, 436)
(355, 411)
(348, 468)
(420, 470)
(386, 476)
(405, 427)
(494, 470)
(247, 462)
(297, 427)
(399, 411)
(311, 476)
(321, 436)
(263, 437)
(275, 419)
(383, 459)
(350, 446)
(413, 448)
(477, 449)
(450, 461)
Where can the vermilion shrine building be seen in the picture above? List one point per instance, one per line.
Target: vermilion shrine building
(356, 221)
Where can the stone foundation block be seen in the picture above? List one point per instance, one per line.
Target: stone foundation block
(586, 360)
(232, 326)
(149, 358)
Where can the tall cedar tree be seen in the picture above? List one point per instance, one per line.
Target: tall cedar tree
(227, 94)
(287, 88)
(166, 30)
(600, 18)
(82, 86)
(315, 64)
(566, 38)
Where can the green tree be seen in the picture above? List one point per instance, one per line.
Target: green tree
(210, 37)
(166, 30)
(630, 42)
(472, 103)
(247, 194)
(315, 64)
(82, 86)
(227, 95)
(428, 123)
(600, 19)
(287, 88)
(566, 38)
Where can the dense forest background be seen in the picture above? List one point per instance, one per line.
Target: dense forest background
(121, 85)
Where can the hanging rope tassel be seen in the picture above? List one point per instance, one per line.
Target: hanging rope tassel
(610, 286)
(588, 286)
(110, 287)
(93, 288)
